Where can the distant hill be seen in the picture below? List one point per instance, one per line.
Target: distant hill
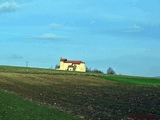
(157, 76)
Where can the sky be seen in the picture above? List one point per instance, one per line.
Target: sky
(121, 34)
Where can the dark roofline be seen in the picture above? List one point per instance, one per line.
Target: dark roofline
(63, 59)
(71, 61)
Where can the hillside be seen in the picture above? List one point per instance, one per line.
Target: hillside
(84, 95)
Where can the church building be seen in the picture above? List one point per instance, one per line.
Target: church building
(71, 65)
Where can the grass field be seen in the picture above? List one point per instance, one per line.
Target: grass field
(84, 95)
(16, 108)
(133, 80)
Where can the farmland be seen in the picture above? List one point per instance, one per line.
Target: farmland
(78, 95)
(16, 108)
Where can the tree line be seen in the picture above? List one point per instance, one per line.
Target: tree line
(109, 71)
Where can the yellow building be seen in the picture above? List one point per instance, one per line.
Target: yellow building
(71, 65)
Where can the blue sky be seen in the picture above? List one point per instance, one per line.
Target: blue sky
(122, 34)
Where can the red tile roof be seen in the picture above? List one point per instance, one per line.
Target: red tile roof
(71, 61)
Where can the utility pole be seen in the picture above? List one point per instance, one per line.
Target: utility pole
(27, 66)
(51, 68)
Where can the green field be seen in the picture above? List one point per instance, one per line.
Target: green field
(16, 108)
(133, 80)
(33, 93)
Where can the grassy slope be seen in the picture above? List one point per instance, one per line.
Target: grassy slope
(133, 80)
(16, 108)
(83, 94)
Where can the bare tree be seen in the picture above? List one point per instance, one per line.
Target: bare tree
(111, 71)
(88, 69)
(56, 66)
(94, 70)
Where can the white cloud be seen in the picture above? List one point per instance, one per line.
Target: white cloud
(9, 7)
(50, 36)
(15, 56)
(134, 28)
(55, 26)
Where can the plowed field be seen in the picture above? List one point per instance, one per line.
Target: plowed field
(86, 97)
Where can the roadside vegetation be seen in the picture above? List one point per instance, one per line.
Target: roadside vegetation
(81, 95)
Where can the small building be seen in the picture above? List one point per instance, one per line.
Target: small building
(71, 65)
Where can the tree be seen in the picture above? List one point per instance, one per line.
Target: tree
(56, 66)
(111, 71)
(96, 71)
(88, 69)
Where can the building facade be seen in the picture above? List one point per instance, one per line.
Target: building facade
(71, 65)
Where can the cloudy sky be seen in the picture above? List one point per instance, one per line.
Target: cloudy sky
(122, 34)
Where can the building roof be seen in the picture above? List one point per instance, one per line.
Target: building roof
(63, 59)
(71, 61)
